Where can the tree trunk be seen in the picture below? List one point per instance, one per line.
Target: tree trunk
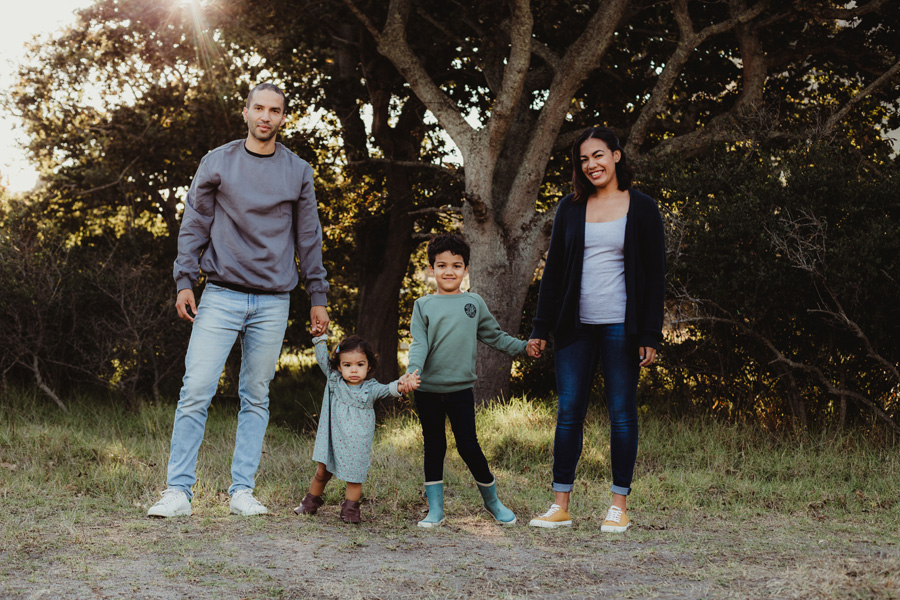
(499, 267)
(385, 253)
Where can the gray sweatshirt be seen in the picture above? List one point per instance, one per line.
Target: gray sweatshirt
(245, 219)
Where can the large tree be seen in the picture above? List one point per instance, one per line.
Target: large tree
(672, 77)
(129, 154)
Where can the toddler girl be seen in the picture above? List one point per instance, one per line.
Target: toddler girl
(347, 421)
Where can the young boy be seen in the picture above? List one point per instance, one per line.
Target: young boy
(445, 328)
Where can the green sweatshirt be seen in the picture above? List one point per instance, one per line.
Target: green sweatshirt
(445, 328)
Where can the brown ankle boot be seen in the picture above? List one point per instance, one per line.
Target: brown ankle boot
(309, 505)
(350, 511)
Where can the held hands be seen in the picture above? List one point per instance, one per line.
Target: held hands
(186, 304)
(408, 382)
(318, 320)
(535, 347)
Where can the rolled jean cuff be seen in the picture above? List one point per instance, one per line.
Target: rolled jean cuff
(622, 491)
(563, 487)
(187, 491)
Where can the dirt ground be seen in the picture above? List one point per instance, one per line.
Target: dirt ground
(282, 556)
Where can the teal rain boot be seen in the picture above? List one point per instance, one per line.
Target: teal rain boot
(434, 490)
(493, 505)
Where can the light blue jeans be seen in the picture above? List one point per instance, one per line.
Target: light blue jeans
(222, 316)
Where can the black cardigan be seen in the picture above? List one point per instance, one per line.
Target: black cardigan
(645, 273)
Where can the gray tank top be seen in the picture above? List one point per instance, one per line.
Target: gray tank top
(603, 273)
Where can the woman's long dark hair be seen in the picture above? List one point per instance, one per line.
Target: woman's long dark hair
(624, 173)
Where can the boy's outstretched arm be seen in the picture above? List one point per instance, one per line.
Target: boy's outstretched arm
(489, 333)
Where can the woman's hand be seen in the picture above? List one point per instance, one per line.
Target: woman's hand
(648, 355)
(534, 347)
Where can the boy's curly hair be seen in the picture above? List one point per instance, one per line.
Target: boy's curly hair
(349, 344)
(448, 241)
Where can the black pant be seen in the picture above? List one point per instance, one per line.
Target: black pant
(460, 408)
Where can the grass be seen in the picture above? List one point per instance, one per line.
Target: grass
(725, 510)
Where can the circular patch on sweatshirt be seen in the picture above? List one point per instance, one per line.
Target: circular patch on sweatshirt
(470, 310)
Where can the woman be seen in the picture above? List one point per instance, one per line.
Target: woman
(602, 297)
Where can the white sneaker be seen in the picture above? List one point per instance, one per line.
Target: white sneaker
(174, 503)
(243, 503)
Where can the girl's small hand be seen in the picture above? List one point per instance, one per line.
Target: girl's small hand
(410, 382)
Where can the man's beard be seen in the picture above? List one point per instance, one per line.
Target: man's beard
(266, 137)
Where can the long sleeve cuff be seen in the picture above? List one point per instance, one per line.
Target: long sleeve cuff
(318, 298)
(183, 283)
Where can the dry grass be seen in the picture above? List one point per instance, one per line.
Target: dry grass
(720, 512)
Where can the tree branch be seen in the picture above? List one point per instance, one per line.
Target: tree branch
(436, 209)
(847, 14)
(414, 164)
(862, 94)
(503, 110)
(35, 368)
(581, 57)
(688, 40)
(813, 370)
(393, 44)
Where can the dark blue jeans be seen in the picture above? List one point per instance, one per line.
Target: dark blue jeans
(575, 365)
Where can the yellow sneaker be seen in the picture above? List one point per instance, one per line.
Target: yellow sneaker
(553, 518)
(616, 521)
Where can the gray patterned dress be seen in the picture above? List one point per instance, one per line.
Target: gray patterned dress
(347, 420)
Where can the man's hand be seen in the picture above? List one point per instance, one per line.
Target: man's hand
(318, 320)
(535, 347)
(186, 305)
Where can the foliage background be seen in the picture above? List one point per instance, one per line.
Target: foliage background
(781, 200)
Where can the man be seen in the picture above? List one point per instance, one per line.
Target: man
(250, 210)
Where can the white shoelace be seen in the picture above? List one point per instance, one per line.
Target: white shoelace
(614, 514)
(253, 501)
(169, 496)
(554, 508)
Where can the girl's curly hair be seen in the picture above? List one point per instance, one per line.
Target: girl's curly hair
(349, 344)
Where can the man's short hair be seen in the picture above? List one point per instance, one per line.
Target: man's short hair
(268, 87)
(448, 241)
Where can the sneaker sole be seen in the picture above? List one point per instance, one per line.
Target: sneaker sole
(614, 528)
(549, 524)
(235, 511)
(427, 525)
(178, 513)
